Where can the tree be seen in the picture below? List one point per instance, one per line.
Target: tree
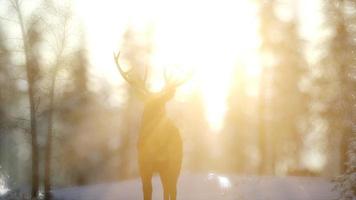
(346, 183)
(266, 26)
(34, 40)
(9, 122)
(289, 101)
(336, 83)
(237, 123)
(280, 97)
(342, 49)
(63, 15)
(5, 82)
(73, 110)
(194, 129)
(30, 39)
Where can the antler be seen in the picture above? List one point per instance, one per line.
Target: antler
(175, 83)
(136, 83)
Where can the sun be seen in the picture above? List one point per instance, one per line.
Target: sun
(207, 37)
(211, 42)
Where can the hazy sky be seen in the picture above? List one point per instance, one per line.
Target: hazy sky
(211, 37)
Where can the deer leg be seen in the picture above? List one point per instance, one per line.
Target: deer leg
(147, 186)
(173, 179)
(169, 181)
(165, 185)
(173, 188)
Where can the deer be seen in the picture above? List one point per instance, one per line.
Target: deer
(160, 146)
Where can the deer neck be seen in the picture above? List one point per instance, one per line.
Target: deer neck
(152, 120)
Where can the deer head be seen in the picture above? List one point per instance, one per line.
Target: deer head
(154, 102)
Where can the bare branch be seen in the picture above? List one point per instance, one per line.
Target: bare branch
(9, 20)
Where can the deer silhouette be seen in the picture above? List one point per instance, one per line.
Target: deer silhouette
(160, 148)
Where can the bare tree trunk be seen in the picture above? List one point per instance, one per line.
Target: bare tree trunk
(261, 125)
(48, 155)
(51, 107)
(34, 146)
(33, 126)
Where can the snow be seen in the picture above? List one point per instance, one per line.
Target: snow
(211, 186)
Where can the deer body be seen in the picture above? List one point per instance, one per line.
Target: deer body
(160, 148)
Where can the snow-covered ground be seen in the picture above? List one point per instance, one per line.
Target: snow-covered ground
(210, 187)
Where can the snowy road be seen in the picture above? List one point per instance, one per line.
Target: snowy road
(211, 186)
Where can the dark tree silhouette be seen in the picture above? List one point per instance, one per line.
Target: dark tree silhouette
(338, 59)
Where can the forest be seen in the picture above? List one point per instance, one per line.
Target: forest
(267, 88)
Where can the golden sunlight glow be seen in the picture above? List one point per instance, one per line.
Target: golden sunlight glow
(206, 37)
